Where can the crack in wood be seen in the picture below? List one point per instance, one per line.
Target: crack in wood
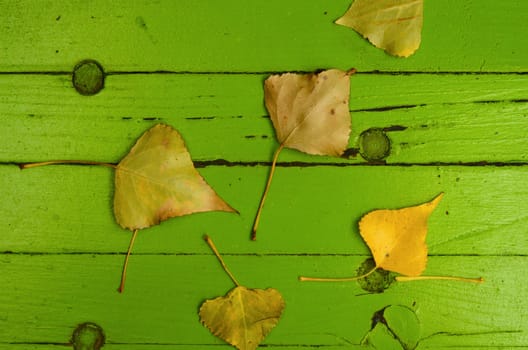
(411, 106)
(469, 334)
(387, 108)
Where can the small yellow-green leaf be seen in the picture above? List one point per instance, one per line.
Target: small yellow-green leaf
(243, 317)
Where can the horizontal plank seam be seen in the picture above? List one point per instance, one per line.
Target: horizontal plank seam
(173, 344)
(223, 162)
(262, 345)
(245, 254)
(299, 164)
(373, 72)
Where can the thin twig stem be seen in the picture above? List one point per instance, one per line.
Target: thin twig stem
(265, 194)
(215, 251)
(63, 162)
(125, 265)
(343, 279)
(448, 278)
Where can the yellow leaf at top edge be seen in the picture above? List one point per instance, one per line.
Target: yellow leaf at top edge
(392, 25)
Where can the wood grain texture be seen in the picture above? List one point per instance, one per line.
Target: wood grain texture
(456, 114)
(482, 206)
(81, 287)
(447, 118)
(270, 36)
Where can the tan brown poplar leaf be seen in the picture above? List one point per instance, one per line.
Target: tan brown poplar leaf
(310, 113)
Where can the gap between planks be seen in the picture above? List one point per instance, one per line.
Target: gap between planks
(80, 253)
(372, 72)
(299, 164)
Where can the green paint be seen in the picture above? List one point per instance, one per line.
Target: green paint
(458, 35)
(381, 338)
(447, 117)
(88, 336)
(374, 144)
(393, 327)
(405, 325)
(377, 281)
(61, 251)
(88, 77)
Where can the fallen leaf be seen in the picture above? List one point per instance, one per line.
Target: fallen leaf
(244, 316)
(157, 180)
(392, 25)
(396, 238)
(310, 113)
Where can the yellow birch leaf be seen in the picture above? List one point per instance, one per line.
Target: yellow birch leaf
(310, 113)
(157, 180)
(243, 317)
(392, 25)
(396, 238)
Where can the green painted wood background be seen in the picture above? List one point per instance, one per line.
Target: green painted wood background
(456, 113)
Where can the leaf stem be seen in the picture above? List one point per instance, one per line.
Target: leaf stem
(342, 279)
(449, 278)
(215, 251)
(62, 162)
(125, 265)
(265, 194)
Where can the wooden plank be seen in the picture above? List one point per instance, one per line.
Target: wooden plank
(483, 211)
(166, 347)
(51, 294)
(231, 36)
(434, 117)
(456, 113)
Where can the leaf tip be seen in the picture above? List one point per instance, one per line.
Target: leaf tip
(434, 203)
(351, 71)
